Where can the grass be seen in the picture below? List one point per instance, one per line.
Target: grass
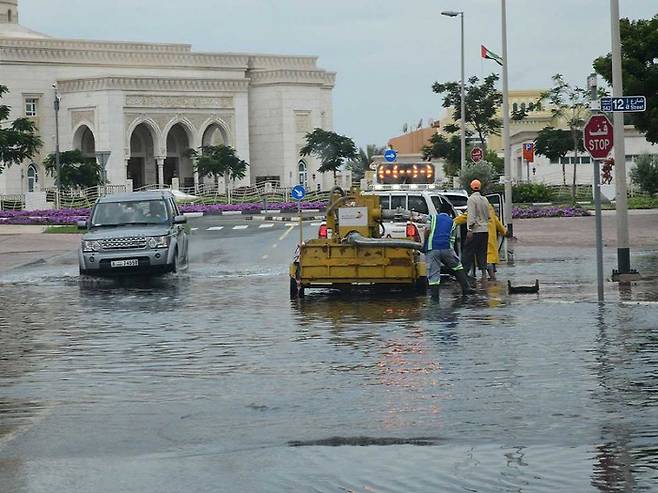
(70, 229)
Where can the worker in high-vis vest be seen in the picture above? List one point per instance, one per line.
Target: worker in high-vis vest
(439, 249)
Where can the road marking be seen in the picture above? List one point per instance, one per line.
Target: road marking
(263, 226)
(288, 231)
(215, 228)
(231, 213)
(275, 245)
(315, 225)
(291, 225)
(241, 226)
(265, 257)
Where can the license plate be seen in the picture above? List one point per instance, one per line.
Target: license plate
(124, 263)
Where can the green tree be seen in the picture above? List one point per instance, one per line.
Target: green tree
(569, 105)
(18, 140)
(482, 101)
(333, 150)
(219, 160)
(482, 171)
(639, 41)
(361, 164)
(76, 170)
(497, 162)
(554, 144)
(645, 173)
(446, 148)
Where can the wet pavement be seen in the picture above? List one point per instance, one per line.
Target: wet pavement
(214, 381)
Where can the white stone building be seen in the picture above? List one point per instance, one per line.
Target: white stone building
(147, 104)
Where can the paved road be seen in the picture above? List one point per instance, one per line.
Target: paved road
(214, 381)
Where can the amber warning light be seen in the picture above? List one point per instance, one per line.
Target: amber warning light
(396, 173)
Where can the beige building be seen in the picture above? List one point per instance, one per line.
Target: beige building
(146, 104)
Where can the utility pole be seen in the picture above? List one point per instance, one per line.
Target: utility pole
(506, 136)
(58, 191)
(452, 13)
(623, 246)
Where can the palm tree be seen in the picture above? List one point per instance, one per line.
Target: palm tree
(362, 163)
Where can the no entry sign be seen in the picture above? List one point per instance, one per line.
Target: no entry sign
(477, 154)
(598, 136)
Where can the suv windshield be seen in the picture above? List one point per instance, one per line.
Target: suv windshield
(130, 212)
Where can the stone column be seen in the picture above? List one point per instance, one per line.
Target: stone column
(196, 182)
(160, 161)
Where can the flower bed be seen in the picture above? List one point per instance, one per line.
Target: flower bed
(72, 216)
(535, 212)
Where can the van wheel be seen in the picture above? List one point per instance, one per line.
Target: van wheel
(174, 265)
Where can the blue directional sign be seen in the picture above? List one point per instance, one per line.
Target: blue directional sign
(390, 155)
(626, 104)
(298, 192)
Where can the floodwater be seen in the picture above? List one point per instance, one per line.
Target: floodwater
(214, 381)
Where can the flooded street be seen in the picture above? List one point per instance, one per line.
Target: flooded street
(215, 381)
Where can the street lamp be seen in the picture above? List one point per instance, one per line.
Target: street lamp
(452, 13)
(57, 163)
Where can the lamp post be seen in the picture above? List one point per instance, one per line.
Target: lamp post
(506, 136)
(451, 13)
(58, 190)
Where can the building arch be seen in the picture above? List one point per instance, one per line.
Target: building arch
(149, 124)
(142, 166)
(178, 161)
(84, 139)
(302, 173)
(215, 131)
(185, 124)
(32, 177)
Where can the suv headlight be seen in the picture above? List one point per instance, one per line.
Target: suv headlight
(91, 246)
(158, 242)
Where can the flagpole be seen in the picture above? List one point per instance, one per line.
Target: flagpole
(506, 136)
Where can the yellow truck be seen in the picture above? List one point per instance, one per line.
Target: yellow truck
(351, 251)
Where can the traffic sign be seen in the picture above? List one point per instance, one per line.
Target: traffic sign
(477, 154)
(298, 192)
(626, 104)
(598, 136)
(390, 155)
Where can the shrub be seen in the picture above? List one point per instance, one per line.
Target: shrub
(482, 171)
(527, 193)
(645, 173)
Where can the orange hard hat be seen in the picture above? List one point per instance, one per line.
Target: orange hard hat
(476, 185)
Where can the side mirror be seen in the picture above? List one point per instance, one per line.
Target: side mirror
(82, 225)
(180, 220)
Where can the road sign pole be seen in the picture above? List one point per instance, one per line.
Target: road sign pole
(301, 231)
(506, 135)
(599, 230)
(623, 249)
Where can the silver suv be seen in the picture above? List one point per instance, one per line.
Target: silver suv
(134, 232)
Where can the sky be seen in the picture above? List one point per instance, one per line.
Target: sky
(387, 53)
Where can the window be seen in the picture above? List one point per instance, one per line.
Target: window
(32, 178)
(398, 201)
(515, 107)
(523, 107)
(303, 173)
(31, 107)
(9, 19)
(585, 160)
(418, 204)
(384, 202)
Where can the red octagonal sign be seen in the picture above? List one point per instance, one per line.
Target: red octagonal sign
(598, 136)
(477, 154)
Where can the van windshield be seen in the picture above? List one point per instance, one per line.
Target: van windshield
(130, 212)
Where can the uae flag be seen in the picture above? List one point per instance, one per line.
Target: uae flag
(490, 55)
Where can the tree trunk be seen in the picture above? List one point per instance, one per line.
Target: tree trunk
(564, 173)
(226, 175)
(574, 135)
(335, 180)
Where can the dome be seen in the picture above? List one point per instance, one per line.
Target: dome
(9, 26)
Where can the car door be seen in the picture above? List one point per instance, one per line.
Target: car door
(496, 200)
(180, 231)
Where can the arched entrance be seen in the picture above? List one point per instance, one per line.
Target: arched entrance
(142, 168)
(303, 173)
(214, 135)
(178, 163)
(84, 141)
(32, 178)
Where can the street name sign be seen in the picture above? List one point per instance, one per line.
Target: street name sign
(298, 192)
(390, 155)
(598, 136)
(477, 154)
(626, 104)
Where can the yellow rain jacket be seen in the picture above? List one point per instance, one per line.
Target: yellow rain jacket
(495, 227)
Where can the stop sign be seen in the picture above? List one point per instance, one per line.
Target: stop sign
(598, 137)
(477, 154)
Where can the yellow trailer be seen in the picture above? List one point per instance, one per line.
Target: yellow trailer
(351, 251)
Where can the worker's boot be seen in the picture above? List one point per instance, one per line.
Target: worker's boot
(436, 294)
(463, 282)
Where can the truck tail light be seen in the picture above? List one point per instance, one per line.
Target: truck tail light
(412, 232)
(322, 232)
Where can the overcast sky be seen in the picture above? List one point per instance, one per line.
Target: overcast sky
(387, 53)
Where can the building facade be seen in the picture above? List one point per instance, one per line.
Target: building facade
(142, 106)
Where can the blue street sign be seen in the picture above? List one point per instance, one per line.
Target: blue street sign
(298, 192)
(627, 104)
(390, 155)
